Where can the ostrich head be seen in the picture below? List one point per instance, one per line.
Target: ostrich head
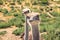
(26, 11)
(31, 16)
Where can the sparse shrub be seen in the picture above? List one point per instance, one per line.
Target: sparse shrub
(8, 14)
(12, 10)
(4, 25)
(17, 21)
(12, 3)
(1, 2)
(14, 0)
(3, 32)
(0, 9)
(27, 4)
(56, 14)
(52, 35)
(12, 7)
(44, 2)
(35, 9)
(5, 11)
(16, 14)
(19, 1)
(18, 31)
(51, 27)
(35, 2)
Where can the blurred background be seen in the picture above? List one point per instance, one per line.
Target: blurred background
(12, 20)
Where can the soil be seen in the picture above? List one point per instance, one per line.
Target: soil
(9, 35)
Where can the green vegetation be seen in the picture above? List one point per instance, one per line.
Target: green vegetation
(13, 0)
(51, 26)
(3, 32)
(17, 21)
(1, 2)
(35, 2)
(56, 14)
(44, 2)
(40, 2)
(19, 31)
(0, 9)
(52, 35)
(12, 3)
(5, 11)
(19, 1)
(4, 25)
(35, 10)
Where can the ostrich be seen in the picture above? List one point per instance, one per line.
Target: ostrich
(32, 19)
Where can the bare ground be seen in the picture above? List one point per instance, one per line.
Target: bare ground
(9, 35)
